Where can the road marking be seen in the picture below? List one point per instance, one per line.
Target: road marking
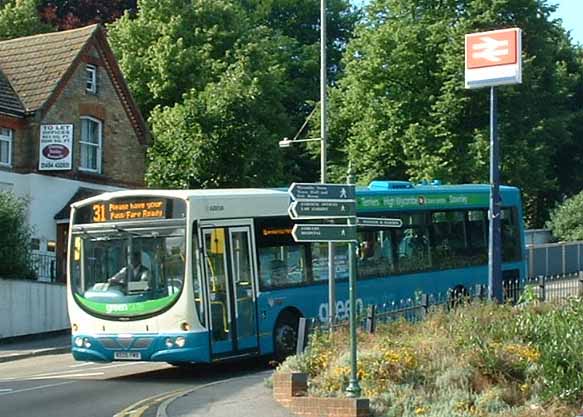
(6, 390)
(81, 364)
(36, 388)
(60, 376)
(143, 405)
(161, 412)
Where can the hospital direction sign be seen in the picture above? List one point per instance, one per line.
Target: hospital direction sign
(493, 58)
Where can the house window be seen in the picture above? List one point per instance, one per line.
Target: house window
(91, 144)
(5, 146)
(91, 81)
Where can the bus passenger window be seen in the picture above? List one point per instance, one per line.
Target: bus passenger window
(375, 257)
(414, 254)
(510, 237)
(282, 266)
(320, 261)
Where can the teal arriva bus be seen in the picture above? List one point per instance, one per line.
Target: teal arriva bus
(205, 275)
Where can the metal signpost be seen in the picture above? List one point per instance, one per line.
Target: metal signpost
(379, 222)
(323, 233)
(321, 209)
(330, 201)
(494, 58)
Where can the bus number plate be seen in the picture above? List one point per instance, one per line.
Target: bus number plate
(128, 356)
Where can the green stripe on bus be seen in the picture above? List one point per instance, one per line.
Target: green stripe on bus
(127, 309)
(422, 201)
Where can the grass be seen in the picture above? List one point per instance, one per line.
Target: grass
(481, 360)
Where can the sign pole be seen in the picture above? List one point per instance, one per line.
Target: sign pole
(323, 157)
(494, 58)
(353, 389)
(494, 246)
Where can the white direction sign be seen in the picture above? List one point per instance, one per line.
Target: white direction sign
(493, 58)
(324, 233)
(321, 209)
(379, 222)
(310, 191)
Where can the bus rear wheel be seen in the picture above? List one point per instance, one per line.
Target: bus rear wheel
(285, 336)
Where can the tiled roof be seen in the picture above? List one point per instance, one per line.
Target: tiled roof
(34, 65)
(9, 101)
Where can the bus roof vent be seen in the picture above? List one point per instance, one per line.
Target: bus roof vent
(429, 182)
(389, 185)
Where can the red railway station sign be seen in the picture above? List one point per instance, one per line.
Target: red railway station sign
(493, 58)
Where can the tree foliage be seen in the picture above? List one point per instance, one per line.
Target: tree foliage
(402, 110)
(20, 18)
(566, 219)
(228, 75)
(15, 237)
(70, 14)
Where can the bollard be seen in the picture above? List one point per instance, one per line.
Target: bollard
(370, 319)
(541, 285)
(303, 332)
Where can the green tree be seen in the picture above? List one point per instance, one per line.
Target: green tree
(20, 18)
(402, 110)
(173, 52)
(225, 135)
(15, 237)
(566, 219)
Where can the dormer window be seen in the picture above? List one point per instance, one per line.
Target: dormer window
(91, 81)
(5, 147)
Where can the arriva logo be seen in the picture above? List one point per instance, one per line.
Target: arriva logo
(116, 308)
(342, 309)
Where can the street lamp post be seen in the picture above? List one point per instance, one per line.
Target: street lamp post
(323, 155)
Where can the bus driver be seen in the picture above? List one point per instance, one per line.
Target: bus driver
(138, 271)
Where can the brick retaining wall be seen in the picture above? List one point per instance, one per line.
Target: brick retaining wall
(290, 390)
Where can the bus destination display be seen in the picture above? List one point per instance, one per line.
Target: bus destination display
(128, 210)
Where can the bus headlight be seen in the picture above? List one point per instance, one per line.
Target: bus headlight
(169, 342)
(79, 342)
(86, 343)
(180, 341)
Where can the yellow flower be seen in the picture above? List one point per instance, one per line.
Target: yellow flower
(420, 410)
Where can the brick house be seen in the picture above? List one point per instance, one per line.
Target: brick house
(69, 129)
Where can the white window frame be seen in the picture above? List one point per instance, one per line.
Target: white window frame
(91, 78)
(98, 146)
(7, 135)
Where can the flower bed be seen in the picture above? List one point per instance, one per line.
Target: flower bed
(479, 360)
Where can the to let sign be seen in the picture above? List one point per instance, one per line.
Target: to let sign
(56, 147)
(493, 58)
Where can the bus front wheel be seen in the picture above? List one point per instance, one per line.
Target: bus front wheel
(285, 336)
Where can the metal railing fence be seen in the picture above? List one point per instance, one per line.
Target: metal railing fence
(555, 288)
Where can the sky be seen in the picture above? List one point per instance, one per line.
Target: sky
(569, 11)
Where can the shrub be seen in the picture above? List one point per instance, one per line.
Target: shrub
(15, 252)
(480, 359)
(566, 220)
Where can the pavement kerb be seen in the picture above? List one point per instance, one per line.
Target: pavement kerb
(38, 352)
(161, 412)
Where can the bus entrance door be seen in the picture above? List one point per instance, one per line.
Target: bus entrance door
(230, 274)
